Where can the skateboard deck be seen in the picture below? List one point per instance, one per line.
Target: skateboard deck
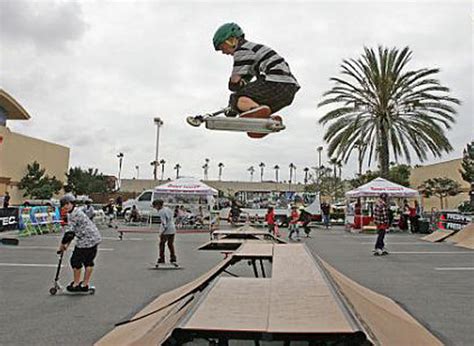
(166, 266)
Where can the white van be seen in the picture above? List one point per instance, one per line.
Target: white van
(142, 202)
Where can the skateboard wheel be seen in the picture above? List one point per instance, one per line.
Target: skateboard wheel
(53, 291)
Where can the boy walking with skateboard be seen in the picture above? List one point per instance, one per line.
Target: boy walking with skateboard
(168, 231)
(88, 238)
(382, 223)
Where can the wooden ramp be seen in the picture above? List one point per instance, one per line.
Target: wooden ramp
(387, 323)
(438, 235)
(233, 239)
(464, 238)
(304, 299)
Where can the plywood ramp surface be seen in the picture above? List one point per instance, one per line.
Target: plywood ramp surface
(255, 249)
(437, 236)
(387, 322)
(233, 304)
(156, 327)
(465, 237)
(301, 301)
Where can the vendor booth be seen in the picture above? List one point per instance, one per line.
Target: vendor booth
(356, 200)
(194, 199)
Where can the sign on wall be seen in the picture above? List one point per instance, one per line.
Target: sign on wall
(9, 218)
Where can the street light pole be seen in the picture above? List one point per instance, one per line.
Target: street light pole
(319, 149)
(120, 157)
(158, 122)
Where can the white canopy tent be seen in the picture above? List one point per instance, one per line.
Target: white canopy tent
(192, 194)
(379, 185)
(186, 186)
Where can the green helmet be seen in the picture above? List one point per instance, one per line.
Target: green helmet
(226, 31)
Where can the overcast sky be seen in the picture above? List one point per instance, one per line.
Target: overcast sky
(94, 74)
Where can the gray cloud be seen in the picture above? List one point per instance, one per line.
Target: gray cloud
(49, 25)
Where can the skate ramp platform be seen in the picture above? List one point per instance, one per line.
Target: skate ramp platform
(231, 240)
(464, 238)
(328, 307)
(438, 235)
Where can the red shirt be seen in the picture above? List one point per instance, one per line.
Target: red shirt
(294, 216)
(270, 218)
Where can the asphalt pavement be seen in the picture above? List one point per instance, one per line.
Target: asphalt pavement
(433, 282)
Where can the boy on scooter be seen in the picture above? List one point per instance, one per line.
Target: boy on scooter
(261, 81)
(87, 240)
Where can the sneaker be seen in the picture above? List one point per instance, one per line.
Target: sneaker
(231, 113)
(378, 252)
(385, 251)
(72, 288)
(83, 288)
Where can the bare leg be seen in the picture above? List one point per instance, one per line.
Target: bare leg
(87, 276)
(245, 104)
(77, 276)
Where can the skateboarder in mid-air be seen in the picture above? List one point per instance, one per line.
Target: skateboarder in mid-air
(261, 81)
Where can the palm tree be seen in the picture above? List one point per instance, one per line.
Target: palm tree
(276, 168)
(177, 167)
(262, 168)
(388, 108)
(339, 167)
(162, 163)
(205, 167)
(292, 167)
(251, 171)
(306, 170)
(220, 165)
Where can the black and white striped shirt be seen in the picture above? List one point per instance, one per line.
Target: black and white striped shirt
(256, 60)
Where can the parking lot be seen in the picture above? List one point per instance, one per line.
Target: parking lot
(432, 281)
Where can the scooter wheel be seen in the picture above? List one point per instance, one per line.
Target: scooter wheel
(53, 291)
(194, 121)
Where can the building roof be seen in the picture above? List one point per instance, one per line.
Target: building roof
(230, 187)
(14, 111)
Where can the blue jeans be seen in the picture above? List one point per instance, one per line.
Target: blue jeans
(380, 243)
(326, 220)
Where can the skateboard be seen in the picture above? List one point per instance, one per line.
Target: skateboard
(384, 253)
(166, 266)
(257, 126)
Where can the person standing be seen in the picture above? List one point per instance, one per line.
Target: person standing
(270, 220)
(6, 200)
(305, 219)
(89, 210)
(325, 212)
(168, 231)
(382, 223)
(414, 216)
(293, 227)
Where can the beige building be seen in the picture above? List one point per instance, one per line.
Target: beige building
(449, 169)
(17, 151)
(226, 187)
